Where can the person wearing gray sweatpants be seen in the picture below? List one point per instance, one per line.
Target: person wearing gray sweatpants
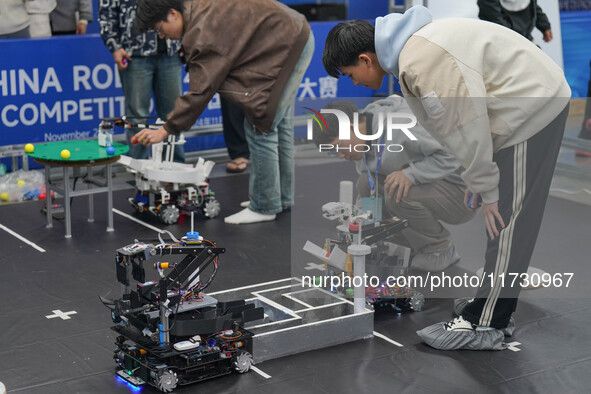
(417, 179)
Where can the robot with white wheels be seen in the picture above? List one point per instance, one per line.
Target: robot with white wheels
(166, 189)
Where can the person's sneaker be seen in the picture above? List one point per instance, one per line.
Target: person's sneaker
(460, 324)
(461, 334)
(460, 304)
(435, 262)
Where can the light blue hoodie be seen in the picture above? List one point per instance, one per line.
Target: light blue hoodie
(393, 30)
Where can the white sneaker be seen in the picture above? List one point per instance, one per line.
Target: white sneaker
(460, 304)
(459, 324)
(246, 216)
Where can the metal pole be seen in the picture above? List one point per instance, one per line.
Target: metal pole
(67, 202)
(110, 197)
(164, 326)
(48, 202)
(358, 252)
(90, 195)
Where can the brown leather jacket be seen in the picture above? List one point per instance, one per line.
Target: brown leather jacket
(244, 49)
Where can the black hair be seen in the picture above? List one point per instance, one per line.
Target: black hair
(321, 136)
(345, 42)
(150, 12)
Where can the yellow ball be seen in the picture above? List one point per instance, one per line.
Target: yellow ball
(65, 154)
(29, 148)
(4, 196)
(20, 183)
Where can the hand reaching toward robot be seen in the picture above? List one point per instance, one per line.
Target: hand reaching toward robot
(150, 137)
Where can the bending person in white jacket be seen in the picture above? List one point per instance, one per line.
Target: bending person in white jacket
(418, 180)
(499, 105)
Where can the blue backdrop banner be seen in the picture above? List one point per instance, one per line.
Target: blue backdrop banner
(59, 88)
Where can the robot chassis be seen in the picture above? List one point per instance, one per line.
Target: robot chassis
(162, 187)
(360, 228)
(170, 332)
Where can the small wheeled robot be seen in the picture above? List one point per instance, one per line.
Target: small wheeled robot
(388, 258)
(170, 332)
(163, 187)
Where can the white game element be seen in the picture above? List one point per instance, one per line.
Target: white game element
(336, 258)
(191, 343)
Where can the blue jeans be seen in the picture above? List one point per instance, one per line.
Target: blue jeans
(271, 180)
(160, 74)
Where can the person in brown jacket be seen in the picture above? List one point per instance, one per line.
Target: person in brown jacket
(254, 53)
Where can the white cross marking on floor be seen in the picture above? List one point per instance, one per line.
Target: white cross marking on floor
(312, 266)
(62, 315)
(264, 375)
(513, 346)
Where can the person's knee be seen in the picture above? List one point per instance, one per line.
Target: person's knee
(460, 215)
(403, 205)
(466, 217)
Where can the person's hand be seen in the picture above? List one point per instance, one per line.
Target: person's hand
(121, 58)
(490, 212)
(548, 35)
(150, 137)
(491, 215)
(81, 28)
(397, 180)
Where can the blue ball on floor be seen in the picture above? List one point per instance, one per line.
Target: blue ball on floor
(110, 150)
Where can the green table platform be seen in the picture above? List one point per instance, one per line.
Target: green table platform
(83, 153)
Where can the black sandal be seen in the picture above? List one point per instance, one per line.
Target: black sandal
(241, 164)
